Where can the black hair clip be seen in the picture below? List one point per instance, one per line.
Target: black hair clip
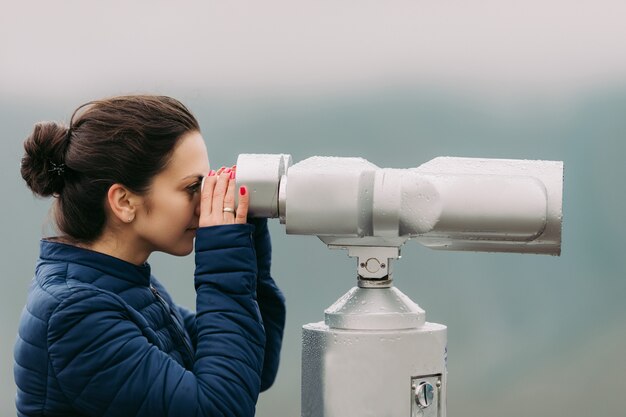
(59, 169)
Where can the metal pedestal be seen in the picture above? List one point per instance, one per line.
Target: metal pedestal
(374, 356)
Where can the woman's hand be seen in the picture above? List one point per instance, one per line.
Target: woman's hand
(217, 201)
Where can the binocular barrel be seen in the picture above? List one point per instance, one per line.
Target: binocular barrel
(473, 204)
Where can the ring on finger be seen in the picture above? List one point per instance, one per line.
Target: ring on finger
(229, 210)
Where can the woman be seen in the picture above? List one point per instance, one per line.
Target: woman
(99, 334)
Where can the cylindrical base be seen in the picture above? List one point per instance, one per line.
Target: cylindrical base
(372, 373)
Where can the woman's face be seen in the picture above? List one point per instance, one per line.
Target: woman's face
(168, 218)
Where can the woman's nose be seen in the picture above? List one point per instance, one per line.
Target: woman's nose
(198, 207)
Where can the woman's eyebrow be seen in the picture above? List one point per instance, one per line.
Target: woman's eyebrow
(195, 176)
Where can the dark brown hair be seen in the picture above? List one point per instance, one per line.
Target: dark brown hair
(125, 139)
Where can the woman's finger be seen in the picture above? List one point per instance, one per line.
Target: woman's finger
(242, 207)
(206, 198)
(219, 192)
(229, 200)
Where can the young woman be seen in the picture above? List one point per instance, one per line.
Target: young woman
(99, 335)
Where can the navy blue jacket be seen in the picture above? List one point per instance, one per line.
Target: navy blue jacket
(101, 337)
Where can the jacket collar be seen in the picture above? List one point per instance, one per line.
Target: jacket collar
(110, 265)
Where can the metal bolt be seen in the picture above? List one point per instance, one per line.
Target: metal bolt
(372, 265)
(362, 265)
(424, 394)
(383, 266)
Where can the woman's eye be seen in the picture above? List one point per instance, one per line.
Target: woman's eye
(194, 188)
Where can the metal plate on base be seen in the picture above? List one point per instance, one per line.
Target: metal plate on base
(426, 396)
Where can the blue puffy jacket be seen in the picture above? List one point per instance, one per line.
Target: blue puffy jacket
(101, 337)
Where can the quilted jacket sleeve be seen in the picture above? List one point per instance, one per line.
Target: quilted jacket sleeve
(106, 367)
(271, 302)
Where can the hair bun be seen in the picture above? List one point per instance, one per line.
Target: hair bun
(43, 164)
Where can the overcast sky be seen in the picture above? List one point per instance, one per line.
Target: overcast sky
(54, 48)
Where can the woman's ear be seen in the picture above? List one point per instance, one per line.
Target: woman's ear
(123, 203)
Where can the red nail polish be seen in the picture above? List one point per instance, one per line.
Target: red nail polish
(242, 190)
(226, 171)
(211, 173)
(232, 175)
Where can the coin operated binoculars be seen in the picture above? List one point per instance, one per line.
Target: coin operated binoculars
(375, 354)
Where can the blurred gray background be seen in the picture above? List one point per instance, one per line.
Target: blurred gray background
(395, 82)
